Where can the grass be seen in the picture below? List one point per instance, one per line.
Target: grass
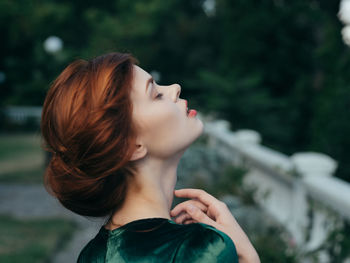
(34, 175)
(21, 158)
(32, 240)
(14, 145)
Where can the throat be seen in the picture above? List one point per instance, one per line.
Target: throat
(137, 208)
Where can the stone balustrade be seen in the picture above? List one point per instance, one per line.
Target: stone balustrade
(299, 191)
(20, 114)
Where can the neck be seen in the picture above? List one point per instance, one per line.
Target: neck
(150, 193)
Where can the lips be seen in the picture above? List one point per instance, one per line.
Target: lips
(190, 112)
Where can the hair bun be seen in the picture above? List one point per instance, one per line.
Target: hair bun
(89, 171)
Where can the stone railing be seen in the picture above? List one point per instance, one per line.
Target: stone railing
(299, 191)
(20, 114)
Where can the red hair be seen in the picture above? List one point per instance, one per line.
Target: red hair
(87, 125)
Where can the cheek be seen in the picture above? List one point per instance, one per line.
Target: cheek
(165, 124)
(163, 128)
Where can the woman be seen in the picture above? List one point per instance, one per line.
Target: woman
(117, 138)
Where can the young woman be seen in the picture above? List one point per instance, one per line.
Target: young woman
(117, 138)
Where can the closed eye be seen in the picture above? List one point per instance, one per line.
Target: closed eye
(159, 95)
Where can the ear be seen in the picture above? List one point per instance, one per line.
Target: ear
(139, 152)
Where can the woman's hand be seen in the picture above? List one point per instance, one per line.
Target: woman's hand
(205, 208)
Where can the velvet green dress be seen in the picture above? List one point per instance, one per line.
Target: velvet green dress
(159, 240)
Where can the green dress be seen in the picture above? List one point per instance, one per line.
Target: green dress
(159, 240)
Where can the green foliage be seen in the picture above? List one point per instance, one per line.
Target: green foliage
(19, 240)
(279, 67)
(14, 146)
(21, 158)
(272, 248)
(230, 181)
(338, 243)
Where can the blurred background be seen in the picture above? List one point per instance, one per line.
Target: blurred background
(272, 69)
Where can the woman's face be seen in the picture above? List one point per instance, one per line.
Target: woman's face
(164, 127)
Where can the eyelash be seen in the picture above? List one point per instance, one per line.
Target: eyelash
(159, 95)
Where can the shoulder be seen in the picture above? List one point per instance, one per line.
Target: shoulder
(94, 250)
(205, 243)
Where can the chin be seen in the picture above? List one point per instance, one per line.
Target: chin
(191, 135)
(199, 131)
(201, 128)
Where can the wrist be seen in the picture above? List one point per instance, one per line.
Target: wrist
(249, 258)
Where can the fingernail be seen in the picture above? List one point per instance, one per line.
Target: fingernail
(191, 208)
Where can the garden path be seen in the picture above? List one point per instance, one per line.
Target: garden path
(29, 201)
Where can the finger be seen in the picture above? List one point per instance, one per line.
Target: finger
(182, 206)
(199, 216)
(213, 204)
(200, 194)
(182, 218)
(190, 221)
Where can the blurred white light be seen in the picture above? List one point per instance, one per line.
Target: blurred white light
(346, 34)
(209, 7)
(2, 77)
(53, 44)
(344, 11)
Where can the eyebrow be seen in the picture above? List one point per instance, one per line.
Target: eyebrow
(148, 82)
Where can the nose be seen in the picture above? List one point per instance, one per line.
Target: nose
(177, 91)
